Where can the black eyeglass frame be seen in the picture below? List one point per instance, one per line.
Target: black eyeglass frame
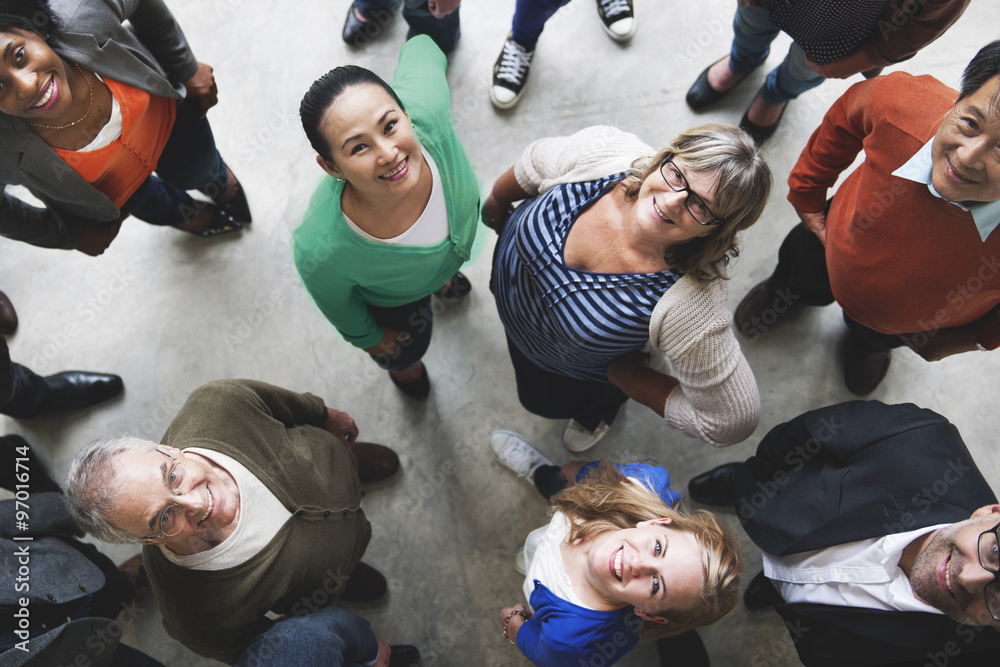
(995, 584)
(690, 193)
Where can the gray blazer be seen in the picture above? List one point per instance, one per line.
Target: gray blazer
(151, 54)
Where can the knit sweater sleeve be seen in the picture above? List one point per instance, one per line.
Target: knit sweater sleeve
(834, 145)
(588, 155)
(717, 400)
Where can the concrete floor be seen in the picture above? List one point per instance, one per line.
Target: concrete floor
(169, 312)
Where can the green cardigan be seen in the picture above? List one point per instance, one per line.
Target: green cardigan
(276, 434)
(344, 272)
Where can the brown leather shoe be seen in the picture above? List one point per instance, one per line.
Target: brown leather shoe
(365, 585)
(8, 318)
(136, 573)
(761, 309)
(864, 371)
(375, 462)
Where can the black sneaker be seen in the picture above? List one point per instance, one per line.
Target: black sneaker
(510, 72)
(618, 18)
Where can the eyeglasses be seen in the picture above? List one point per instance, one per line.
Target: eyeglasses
(695, 205)
(990, 560)
(170, 522)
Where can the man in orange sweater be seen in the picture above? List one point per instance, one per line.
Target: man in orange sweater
(907, 245)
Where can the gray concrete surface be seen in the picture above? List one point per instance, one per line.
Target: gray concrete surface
(169, 312)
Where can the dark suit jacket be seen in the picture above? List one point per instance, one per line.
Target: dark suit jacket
(856, 471)
(152, 54)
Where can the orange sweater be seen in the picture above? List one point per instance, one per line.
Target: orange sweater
(900, 259)
(118, 169)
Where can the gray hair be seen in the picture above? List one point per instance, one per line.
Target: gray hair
(91, 488)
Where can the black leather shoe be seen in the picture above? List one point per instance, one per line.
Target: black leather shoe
(759, 133)
(403, 655)
(761, 595)
(359, 33)
(864, 371)
(701, 95)
(375, 462)
(8, 318)
(75, 390)
(238, 207)
(715, 487)
(365, 585)
(418, 389)
(456, 289)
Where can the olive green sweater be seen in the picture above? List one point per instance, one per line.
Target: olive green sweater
(277, 435)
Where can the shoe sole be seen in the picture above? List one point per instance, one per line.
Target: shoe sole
(505, 105)
(618, 37)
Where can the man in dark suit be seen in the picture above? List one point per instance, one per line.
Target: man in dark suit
(871, 518)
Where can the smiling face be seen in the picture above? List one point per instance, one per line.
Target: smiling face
(207, 498)
(372, 142)
(34, 81)
(947, 574)
(652, 567)
(966, 149)
(661, 214)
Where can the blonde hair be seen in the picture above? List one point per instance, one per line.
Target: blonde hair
(743, 186)
(607, 500)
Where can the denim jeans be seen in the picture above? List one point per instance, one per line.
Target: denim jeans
(331, 636)
(530, 17)
(444, 31)
(189, 161)
(753, 34)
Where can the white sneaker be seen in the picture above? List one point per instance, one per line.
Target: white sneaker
(513, 451)
(618, 18)
(520, 563)
(579, 439)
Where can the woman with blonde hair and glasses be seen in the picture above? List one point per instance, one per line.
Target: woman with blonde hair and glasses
(618, 563)
(621, 251)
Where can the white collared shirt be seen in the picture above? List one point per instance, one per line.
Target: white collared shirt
(864, 574)
(919, 169)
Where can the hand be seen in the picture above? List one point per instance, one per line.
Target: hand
(844, 67)
(936, 345)
(620, 370)
(495, 214)
(389, 346)
(384, 653)
(815, 223)
(516, 621)
(341, 425)
(441, 8)
(201, 88)
(97, 238)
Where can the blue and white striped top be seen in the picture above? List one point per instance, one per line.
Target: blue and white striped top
(568, 321)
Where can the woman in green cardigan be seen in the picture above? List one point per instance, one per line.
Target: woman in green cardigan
(397, 216)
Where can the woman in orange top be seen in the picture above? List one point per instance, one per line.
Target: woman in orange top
(91, 109)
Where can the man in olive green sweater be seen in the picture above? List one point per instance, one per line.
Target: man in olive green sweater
(251, 504)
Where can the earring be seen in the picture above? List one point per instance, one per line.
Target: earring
(342, 180)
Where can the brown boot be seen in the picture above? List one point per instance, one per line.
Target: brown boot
(375, 462)
(136, 573)
(8, 318)
(761, 309)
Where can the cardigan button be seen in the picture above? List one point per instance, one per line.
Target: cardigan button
(82, 588)
(51, 597)
(326, 515)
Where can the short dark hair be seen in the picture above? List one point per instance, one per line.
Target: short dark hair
(983, 67)
(324, 92)
(31, 15)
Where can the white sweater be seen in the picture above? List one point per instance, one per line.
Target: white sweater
(690, 330)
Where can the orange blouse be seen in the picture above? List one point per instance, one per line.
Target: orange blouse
(119, 168)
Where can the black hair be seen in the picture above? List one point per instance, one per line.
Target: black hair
(30, 15)
(324, 91)
(983, 67)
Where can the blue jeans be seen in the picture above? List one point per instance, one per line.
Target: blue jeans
(331, 637)
(530, 17)
(189, 161)
(445, 31)
(753, 34)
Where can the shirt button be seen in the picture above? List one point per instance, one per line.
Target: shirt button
(326, 515)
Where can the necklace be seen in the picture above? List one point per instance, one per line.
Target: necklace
(90, 106)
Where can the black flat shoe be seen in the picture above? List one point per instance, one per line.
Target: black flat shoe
(759, 133)
(238, 207)
(418, 389)
(74, 390)
(403, 655)
(761, 595)
(221, 223)
(366, 584)
(715, 487)
(701, 95)
(458, 287)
